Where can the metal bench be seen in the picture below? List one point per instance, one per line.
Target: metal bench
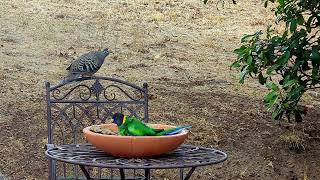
(73, 105)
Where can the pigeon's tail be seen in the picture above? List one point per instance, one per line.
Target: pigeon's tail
(69, 78)
(176, 130)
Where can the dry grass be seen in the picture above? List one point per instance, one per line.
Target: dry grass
(181, 47)
(294, 140)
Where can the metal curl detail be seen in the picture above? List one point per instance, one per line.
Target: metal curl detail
(123, 91)
(81, 94)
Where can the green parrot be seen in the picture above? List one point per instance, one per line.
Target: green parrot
(132, 126)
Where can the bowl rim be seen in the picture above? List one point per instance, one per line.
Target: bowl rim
(86, 130)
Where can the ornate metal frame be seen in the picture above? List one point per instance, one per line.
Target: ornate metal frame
(185, 156)
(92, 98)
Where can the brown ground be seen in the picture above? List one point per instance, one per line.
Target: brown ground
(181, 47)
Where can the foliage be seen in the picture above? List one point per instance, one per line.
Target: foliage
(287, 63)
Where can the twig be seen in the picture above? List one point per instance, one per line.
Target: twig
(302, 72)
(313, 88)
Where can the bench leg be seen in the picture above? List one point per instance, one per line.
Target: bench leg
(189, 173)
(122, 175)
(52, 169)
(85, 172)
(181, 173)
(147, 174)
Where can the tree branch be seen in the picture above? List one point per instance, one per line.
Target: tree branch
(318, 87)
(313, 36)
(302, 72)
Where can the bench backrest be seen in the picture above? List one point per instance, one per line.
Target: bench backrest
(71, 106)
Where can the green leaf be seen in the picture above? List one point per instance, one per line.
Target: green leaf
(281, 2)
(293, 25)
(243, 74)
(235, 64)
(261, 55)
(273, 86)
(289, 83)
(262, 80)
(245, 38)
(241, 50)
(285, 34)
(287, 78)
(315, 75)
(269, 31)
(205, 1)
(295, 93)
(315, 56)
(277, 113)
(285, 105)
(284, 58)
(249, 60)
(272, 68)
(300, 19)
(270, 99)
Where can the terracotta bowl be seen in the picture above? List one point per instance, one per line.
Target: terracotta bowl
(134, 146)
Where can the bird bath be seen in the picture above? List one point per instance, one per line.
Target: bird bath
(134, 146)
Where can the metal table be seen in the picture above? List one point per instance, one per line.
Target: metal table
(185, 156)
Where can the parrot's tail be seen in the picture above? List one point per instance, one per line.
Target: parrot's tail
(176, 130)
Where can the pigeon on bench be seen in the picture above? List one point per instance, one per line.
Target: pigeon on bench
(86, 65)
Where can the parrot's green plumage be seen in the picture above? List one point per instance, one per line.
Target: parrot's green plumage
(132, 126)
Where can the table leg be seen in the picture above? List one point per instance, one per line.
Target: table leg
(181, 173)
(190, 173)
(53, 172)
(111, 173)
(147, 174)
(122, 175)
(85, 172)
(134, 173)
